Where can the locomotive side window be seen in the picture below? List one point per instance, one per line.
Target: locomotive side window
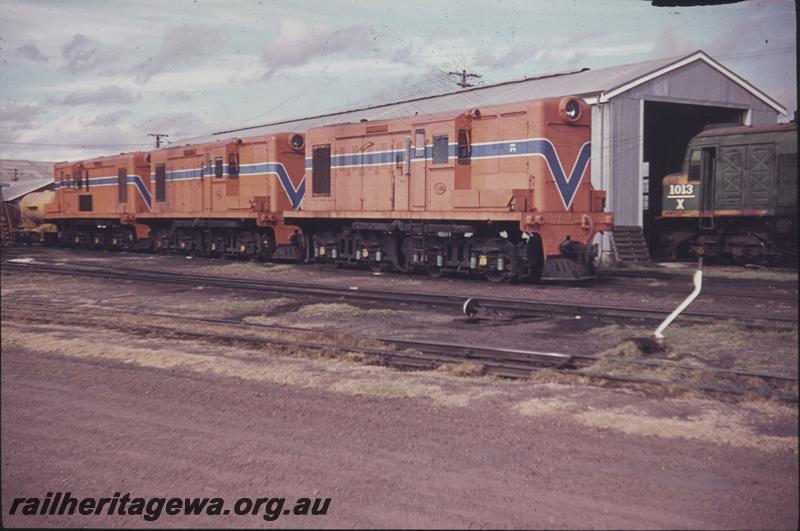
(694, 165)
(218, 167)
(464, 149)
(419, 144)
(233, 165)
(122, 184)
(78, 180)
(161, 182)
(440, 149)
(84, 203)
(321, 170)
(87, 179)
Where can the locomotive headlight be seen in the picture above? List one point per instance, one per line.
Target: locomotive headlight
(297, 142)
(572, 109)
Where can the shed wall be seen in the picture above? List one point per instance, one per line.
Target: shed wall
(697, 83)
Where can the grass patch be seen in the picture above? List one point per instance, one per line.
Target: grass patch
(462, 369)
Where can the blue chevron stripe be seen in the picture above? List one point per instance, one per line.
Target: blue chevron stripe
(136, 180)
(295, 195)
(567, 185)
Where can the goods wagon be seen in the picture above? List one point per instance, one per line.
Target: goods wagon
(32, 226)
(501, 191)
(736, 197)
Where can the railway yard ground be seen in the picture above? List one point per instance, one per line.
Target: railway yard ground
(164, 375)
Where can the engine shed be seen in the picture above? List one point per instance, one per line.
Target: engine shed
(643, 117)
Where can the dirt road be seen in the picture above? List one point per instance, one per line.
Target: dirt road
(152, 418)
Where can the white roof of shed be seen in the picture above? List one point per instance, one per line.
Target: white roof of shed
(17, 189)
(593, 85)
(32, 176)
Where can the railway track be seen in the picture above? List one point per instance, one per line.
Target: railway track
(686, 277)
(419, 354)
(517, 307)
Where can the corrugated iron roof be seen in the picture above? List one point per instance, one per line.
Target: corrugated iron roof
(600, 83)
(17, 189)
(582, 82)
(32, 175)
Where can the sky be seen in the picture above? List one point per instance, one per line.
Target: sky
(83, 78)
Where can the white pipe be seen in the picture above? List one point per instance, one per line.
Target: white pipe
(698, 283)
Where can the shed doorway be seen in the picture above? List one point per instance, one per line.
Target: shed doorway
(668, 128)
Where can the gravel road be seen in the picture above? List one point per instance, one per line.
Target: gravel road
(151, 417)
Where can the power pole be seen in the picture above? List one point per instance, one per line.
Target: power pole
(463, 75)
(15, 174)
(158, 136)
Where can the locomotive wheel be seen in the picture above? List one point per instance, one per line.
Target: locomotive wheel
(378, 267)
(434, 271)
(495, 276)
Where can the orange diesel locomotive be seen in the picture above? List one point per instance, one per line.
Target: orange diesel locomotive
(222, 198)
(502, 191)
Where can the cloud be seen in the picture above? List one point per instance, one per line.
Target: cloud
(180, 96)
(108, 119)
(82, 54)
(19, 116)
(176, 125)
(179, 45)
(298, 43)
(31, 52)
(102, 96)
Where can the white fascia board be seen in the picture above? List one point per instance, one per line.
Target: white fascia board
(701, 56)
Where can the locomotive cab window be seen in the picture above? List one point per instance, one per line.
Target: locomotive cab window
(122, 184)
(161, 182)
(233, 165)
(87, 179)
(464, 148)
(218, 168)
(440, 146)
(321, 170)
(78, 180)
(694, 165)
(84, 203)
(419, 144)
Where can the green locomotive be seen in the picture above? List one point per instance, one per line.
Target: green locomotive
(737, 196)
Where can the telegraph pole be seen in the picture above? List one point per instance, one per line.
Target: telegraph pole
(463, 75)
(15, 174)
(158, 136)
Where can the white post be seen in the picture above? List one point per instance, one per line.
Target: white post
(698, 283)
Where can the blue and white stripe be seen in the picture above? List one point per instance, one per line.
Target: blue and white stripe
(135, 180)
(567, 185)
(295, 195)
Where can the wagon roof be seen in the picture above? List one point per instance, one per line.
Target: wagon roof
(747, 129)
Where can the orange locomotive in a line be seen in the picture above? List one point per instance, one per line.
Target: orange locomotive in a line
(502, 191)
(225, 197)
